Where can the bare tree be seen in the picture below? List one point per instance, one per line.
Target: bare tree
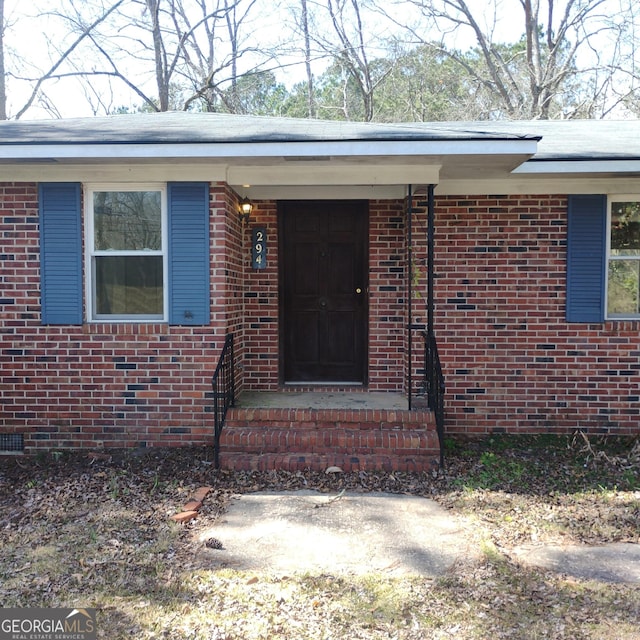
(60, 64)
(171, 53)
(3, 87)
(66, 51)
(235, 17)
(563, 41)
(197, 49)
(352, 55)
(560, 58)
(53, 71)
(164, 35)
(348, 26)
(343, 36)
(304, 24)
(162, 68)
(624, 81)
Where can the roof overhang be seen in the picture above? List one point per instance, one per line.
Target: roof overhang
(296, 150)
(312, 169)
(282, 158)
(579, 167)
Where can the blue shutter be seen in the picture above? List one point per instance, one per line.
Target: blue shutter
(189, 253)
(586, 258)
(60, 253)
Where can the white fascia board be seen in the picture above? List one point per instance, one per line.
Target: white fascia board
(309, 174)
(531, 185)
(112, 172)
(550, 167)
(334, 174)
(269, 149)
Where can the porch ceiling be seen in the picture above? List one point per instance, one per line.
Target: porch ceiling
(375, 170)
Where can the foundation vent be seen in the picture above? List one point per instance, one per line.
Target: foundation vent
(11, 443)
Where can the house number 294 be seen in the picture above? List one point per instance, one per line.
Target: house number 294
(259, 248)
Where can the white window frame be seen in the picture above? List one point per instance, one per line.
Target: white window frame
(632, 197)
(91, 253)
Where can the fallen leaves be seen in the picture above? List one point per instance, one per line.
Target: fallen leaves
(95, 531)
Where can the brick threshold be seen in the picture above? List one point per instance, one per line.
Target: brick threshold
(240, 414)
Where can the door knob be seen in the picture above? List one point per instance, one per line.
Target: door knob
(358, 290)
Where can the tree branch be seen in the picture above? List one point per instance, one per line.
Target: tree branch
(64, 56)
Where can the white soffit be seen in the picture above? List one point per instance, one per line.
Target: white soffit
(555, 167)
(312, 174)
(112, 172)
(323, 192)
(307, 174)
(535, 185)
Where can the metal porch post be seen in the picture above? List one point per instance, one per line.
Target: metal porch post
(409, 292)
(430, 261)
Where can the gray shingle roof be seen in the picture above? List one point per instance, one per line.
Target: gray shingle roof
(181, 127)
(559, 139)
(576, 139)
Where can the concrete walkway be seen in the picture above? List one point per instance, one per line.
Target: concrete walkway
(615, 562)
(306, 531)
(310, 532)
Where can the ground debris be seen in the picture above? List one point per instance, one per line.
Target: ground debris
(95, 530)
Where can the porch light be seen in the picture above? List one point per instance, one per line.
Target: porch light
(245, 209)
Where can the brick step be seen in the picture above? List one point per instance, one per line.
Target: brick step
(238, 461)
(312, 418)
(352, 439)
(325, 439)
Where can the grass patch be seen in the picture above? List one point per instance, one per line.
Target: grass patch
(545, 464)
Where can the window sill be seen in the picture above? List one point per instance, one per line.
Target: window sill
(129, 328)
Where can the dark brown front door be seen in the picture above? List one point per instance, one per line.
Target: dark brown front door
(324, 291)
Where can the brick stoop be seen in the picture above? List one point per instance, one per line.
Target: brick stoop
(352, 439)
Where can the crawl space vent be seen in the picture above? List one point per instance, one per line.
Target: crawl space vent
(11, 442)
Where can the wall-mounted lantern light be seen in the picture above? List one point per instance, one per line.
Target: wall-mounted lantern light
(245, 208)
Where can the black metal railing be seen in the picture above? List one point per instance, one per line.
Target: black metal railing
(224, 393)
(434, 386)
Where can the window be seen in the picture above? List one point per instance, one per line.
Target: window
(126, 252)
(146, 253)
(623, 272)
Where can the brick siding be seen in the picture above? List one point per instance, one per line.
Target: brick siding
(511, 361)
(109, 385)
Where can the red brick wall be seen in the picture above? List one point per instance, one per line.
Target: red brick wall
(511, 361)
(111, 384)
(228, 278)
(387, 296)
(260, 305)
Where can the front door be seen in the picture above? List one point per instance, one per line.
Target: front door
(323, 273)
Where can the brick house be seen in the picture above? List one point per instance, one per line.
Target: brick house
(125, 264)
